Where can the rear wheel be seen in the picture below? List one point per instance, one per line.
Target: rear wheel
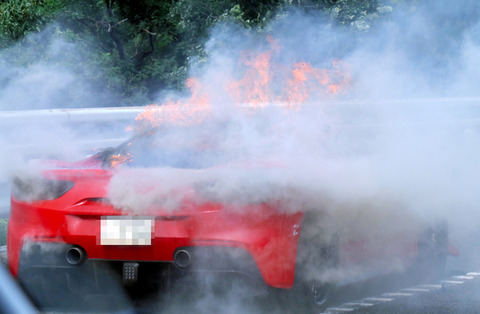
(316, 256)
(312, 296)
(319, 293)
(433, 250)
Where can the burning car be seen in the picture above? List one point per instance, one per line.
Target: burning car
(64, 227)
(67, 224)
(176, 201)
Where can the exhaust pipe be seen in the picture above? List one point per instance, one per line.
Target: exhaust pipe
(75, 255)
(182, 258)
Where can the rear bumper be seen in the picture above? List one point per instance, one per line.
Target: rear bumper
(54, 284)
(265, 243)
(49, 255)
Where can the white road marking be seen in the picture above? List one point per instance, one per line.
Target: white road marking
(362, 304)
(463, 277)
(339, 309)
(397, 294)
(391, 296)
(416, 290)
(453, 282)
(431, 286)
(378, 299)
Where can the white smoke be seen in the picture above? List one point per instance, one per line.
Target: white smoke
(393, 149)
(397, 149)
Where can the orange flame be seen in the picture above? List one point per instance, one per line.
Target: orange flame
(192, 111)
(253, 88)
(263, 80)
(263, 83)
(117, 160)
(308, 80)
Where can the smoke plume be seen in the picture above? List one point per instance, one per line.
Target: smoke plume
(384, 139)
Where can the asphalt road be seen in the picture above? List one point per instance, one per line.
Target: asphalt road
(394, 294)
(455, 292)
(460, 294)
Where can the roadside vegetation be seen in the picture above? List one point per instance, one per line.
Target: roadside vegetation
(135, 49)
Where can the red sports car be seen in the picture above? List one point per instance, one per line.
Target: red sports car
(64, 228)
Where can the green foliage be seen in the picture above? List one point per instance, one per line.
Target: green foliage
(192, 20)
(259, 12)
(21, 17)
(134, 48)
(357, 14)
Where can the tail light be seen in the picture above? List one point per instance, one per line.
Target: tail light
(36, 189)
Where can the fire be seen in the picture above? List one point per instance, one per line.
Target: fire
(192, 111)
(253, 88)
(264, 82)
(307, 80)
(117, 160)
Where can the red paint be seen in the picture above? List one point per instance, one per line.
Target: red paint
(74, 218)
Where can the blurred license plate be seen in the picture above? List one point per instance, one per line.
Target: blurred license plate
(119, 230)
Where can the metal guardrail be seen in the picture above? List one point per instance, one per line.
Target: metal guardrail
(91, 127)
(113, 120)
(33, 133)
(128, 114)
(70, 115)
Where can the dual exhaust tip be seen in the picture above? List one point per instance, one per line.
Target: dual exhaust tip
(182, 258)
(75, 255)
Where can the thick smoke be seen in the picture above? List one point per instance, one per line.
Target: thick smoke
(395, 148)
(38, 74)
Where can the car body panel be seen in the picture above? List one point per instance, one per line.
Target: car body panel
(75, 218)
(267, 232)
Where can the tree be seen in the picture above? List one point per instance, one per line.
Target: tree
(18, 18)
(136, 48)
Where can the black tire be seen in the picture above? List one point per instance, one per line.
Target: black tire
(315, 255)
(433, 251)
